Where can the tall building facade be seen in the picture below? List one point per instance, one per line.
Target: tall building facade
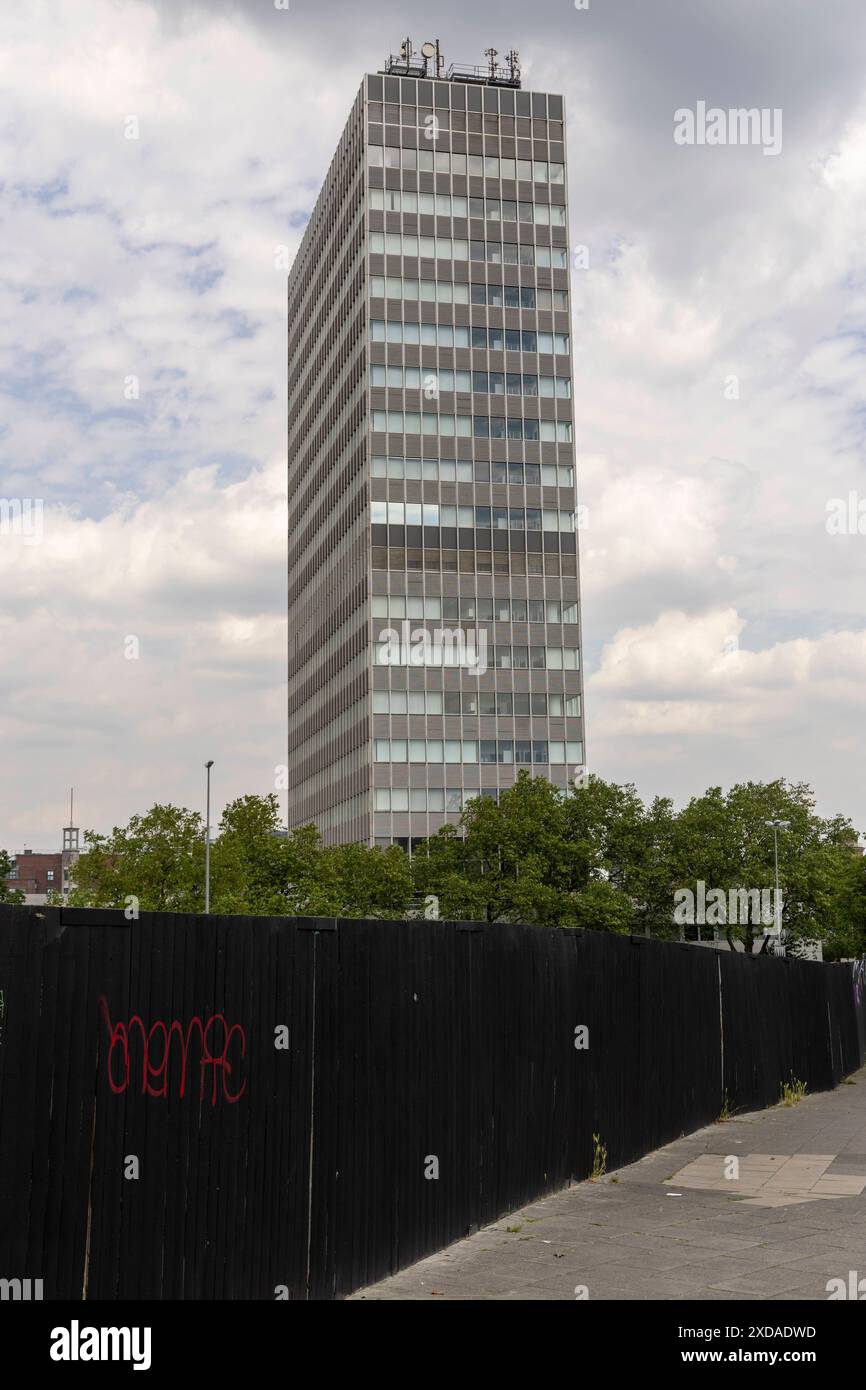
(434, 615)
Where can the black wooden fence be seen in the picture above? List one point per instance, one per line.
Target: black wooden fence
(253, 1108)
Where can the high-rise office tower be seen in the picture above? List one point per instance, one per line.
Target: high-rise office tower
(433, 580)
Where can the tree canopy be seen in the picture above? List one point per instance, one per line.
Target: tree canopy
(595, 857)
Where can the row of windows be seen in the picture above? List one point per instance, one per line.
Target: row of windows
(453, 205)
(432, 799)
(475, 165)
(481, 471)
(472, 426)
(446, 335)
(435, 380)
(522, 752)
(506, 703)
(471, 609)
(416, 114)
(448, 292)
(483, 518)
(498, 101)
(446, 248)
(499, 657)
(416, 560)
(428, 799)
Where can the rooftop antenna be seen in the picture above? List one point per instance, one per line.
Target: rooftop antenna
(491, 55)
(513, 60)
(406, 50)
(431, 50)
(70, 831)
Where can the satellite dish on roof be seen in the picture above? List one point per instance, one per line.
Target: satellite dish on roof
(429, 50)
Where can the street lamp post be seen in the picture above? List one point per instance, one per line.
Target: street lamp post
(208, 766)
(776, 826)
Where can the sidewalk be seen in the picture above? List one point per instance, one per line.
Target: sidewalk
(684, 1222)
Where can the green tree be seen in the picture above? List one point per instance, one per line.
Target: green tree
(725, 841)
(255, 867)
(537, 856)
(157, 858)
(7, 894)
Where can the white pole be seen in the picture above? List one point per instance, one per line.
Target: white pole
(208, 766)
(778, 901)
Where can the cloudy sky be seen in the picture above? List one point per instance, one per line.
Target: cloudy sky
(156, 155)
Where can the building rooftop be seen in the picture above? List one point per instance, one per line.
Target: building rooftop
(429, 63)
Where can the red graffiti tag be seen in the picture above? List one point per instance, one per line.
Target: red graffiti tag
(213, 1049)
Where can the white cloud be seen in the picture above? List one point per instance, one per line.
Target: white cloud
(154, 258)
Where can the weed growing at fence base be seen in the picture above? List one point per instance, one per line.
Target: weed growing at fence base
(793, 1092)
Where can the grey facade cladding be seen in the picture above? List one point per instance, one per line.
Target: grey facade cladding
(431, 462)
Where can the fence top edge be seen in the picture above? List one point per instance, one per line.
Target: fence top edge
(62, 917)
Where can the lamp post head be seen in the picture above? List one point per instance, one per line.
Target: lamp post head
(209, 763)
(779, 824)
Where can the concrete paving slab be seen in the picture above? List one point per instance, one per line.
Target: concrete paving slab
(631, 1239)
